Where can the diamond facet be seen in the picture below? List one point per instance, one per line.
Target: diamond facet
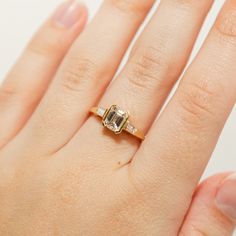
(131, 128)
(101, 111)
(115, 119)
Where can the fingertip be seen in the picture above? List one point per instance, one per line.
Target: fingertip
(204, 216)
(70, 14)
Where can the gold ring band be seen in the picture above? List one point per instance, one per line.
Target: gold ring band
(117, 120)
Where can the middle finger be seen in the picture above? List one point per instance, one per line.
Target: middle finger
(84, 74)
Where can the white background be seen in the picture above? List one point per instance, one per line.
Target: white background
(19, 20)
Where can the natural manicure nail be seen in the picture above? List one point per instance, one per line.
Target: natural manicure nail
(226, 197)
(68, 14)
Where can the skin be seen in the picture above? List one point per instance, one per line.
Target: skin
(62, 173)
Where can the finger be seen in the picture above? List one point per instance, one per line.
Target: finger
(204, 218)
(86, 71)
(151, 71)
(27, 81)
(226, 197)
(180, 144)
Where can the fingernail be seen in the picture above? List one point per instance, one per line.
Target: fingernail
(69, 13)
(226, 197)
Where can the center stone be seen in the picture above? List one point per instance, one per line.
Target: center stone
(115, 119)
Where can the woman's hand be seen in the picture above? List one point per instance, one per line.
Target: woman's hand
(62, 173)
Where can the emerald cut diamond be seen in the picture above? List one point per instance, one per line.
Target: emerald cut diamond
(115, 119)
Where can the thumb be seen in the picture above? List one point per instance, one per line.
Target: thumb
(213, 209)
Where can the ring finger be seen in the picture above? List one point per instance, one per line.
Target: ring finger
(151, 71)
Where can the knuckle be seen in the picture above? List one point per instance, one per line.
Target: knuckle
(197, 100)
(7, 96)
(77, 72)
(45, 44)
(190, 5)
(226, 24)
(11, 95)
(143, 184)
(144, 68)
(132, 6)
(64, 186)
(187, 2)
(181, 3)
(8, 177)
(69, 182)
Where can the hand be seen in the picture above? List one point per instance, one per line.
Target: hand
(62, 173)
